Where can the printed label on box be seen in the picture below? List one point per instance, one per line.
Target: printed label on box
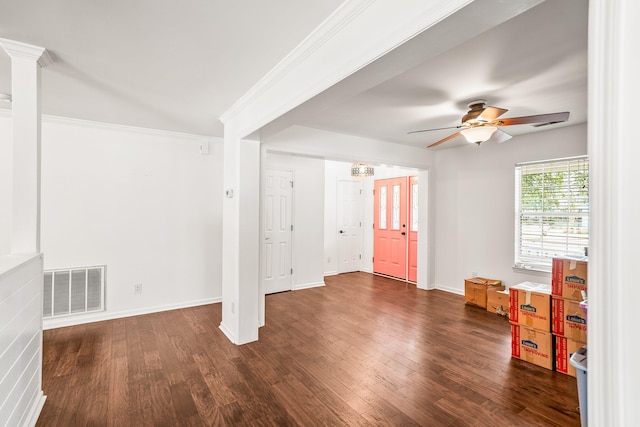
(532, 345)
(575, 279)
(569, 278)
(568, 319)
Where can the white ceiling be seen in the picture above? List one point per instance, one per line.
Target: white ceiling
(171, 65)
(179, 65)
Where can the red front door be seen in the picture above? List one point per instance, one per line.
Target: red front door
(390, 227)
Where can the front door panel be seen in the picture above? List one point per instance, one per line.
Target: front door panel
(390, 227)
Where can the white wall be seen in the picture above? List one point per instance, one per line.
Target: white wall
(144, 203)
(348, 148)
(475, 205)
(21, 396)
(308, 219)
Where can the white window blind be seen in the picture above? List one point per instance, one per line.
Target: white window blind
(552, 211)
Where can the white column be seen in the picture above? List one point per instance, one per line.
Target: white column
(240, 238)
(26, 61)
(613, 367)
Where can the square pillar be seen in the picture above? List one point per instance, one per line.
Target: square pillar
(26, 61)
(240, 239)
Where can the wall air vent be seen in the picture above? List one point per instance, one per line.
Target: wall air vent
(73, 291)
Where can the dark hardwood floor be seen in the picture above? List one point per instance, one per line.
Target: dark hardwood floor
(364, 350)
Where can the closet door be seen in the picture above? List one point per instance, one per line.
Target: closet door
(349, 225)
(276, 249)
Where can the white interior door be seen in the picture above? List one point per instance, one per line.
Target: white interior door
(277, 226)
(349, 225)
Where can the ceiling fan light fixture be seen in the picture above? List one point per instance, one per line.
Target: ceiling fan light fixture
(478, 134)
(361, 170)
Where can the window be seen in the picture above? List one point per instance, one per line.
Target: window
(552, 211)
(414, 207)
(395, 208)
(383, 208)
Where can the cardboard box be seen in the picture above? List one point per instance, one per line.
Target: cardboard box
(475, 290)
(531, 305)
(565, 347)
(498, 301)
(568, 319)
(569, 278)
(532, 345)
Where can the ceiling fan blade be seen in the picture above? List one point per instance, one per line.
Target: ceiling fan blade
(500, 136)
(429, 130)
(435, 144)
(491, 113)
(540, 118)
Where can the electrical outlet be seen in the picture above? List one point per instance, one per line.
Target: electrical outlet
(329, 260)
(137, 288)
(233, 307)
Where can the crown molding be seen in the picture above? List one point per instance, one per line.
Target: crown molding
(346, 13)
(358, 33)
(120, 128)
(21, 50)
(366, 29)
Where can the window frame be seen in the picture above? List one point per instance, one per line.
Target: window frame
(542, 263)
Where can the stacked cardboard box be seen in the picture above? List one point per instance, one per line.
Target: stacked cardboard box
(530, 317)
(475, 290)
(498, 301)
(568, 320)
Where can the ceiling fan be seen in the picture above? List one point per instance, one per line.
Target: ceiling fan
(481, 123)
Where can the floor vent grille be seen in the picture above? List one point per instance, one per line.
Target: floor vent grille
(73, 291)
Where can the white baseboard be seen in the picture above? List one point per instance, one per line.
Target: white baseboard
(227, 333)
(82, 319)
(308, 286)
(330, 273)
(36, 408)
(451, 290)
(367, 270)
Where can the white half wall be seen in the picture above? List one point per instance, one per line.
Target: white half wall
(144, 203)
(308, 215)
(6, 165)
(475, 202)
(21, 397)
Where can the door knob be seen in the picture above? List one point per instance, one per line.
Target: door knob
(341, 231)
(403, 233)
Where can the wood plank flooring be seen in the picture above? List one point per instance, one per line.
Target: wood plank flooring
(364, 350)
